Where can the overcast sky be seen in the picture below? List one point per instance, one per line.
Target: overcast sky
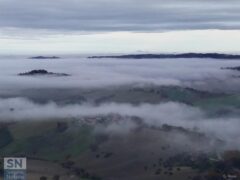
(104, 26)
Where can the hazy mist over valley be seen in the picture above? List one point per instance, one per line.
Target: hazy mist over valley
(193, 104)
(120, 90)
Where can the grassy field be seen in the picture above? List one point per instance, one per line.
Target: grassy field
(74, 151)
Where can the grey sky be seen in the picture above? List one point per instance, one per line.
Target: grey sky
(81, 26)
(119, 15)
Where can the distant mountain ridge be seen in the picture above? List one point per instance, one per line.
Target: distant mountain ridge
(41, 72)
(172, 56)
(45, 57)
(233, 68)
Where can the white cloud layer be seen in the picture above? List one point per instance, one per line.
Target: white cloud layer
(174, 114)
(88, 73)
(92, 73)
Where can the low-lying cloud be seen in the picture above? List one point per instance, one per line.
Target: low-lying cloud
(174, 114)
(87, 73)
(93, 74)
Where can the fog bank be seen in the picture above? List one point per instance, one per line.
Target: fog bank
(87, 73)
(174, 114)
